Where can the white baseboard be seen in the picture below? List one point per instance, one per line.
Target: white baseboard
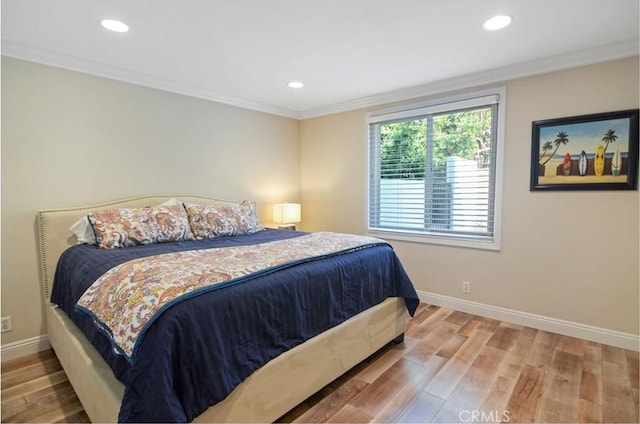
(554, 325)
(25, 347)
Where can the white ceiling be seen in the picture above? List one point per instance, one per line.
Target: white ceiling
(348, 53)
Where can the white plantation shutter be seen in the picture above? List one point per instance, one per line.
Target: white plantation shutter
(433, 181)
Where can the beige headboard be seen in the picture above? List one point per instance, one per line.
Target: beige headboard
(54, 236)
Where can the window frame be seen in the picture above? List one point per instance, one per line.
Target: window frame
(437, 105)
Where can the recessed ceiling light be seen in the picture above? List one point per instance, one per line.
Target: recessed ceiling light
(497, 22)
(114, 25)
(295, 84)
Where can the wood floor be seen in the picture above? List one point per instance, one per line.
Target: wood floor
(452, 367)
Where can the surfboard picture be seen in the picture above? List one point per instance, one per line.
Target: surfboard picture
(616, 163)
(598, 161)
(588, 152)
(582, 163)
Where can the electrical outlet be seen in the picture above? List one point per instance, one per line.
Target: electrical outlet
(6, 324)
(466, 287)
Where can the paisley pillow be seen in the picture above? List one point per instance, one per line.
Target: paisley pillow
(208, 221)
(126, 227)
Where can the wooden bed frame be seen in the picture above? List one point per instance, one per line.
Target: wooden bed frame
(266, 395)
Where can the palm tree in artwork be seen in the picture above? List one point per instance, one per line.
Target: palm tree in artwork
(561, 140)
(609, 137)
(548, 145)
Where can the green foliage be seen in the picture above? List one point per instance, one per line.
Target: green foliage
(403, 149)
(465, 135)
(404, 145)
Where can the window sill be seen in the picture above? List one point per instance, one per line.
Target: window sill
(466, 242)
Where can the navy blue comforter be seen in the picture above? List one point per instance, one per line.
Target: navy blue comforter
(199, 350)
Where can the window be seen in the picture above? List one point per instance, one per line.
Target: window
(435, 171)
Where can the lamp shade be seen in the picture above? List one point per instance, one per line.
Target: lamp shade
(286, 213)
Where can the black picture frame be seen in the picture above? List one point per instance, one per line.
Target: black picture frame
(603, 156)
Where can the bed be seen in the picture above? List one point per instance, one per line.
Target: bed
(273, 387)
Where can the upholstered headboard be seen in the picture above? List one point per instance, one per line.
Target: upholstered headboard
(54, 236)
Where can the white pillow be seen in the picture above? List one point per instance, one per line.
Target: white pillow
(171, 202)
(83, 231)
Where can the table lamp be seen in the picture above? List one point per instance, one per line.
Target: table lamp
(286, 214)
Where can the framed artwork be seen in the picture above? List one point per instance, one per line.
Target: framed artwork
(588, 152)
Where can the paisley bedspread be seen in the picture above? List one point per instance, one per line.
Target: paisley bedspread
(127, 299)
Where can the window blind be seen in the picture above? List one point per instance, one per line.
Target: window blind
(432, 170)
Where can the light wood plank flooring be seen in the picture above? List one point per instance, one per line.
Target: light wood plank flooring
(452, 367)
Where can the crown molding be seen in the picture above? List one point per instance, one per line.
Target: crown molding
(59, 60)
(536, 67)
(549, 64)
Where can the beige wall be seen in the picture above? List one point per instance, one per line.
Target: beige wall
(70, 139)
(566, 255)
